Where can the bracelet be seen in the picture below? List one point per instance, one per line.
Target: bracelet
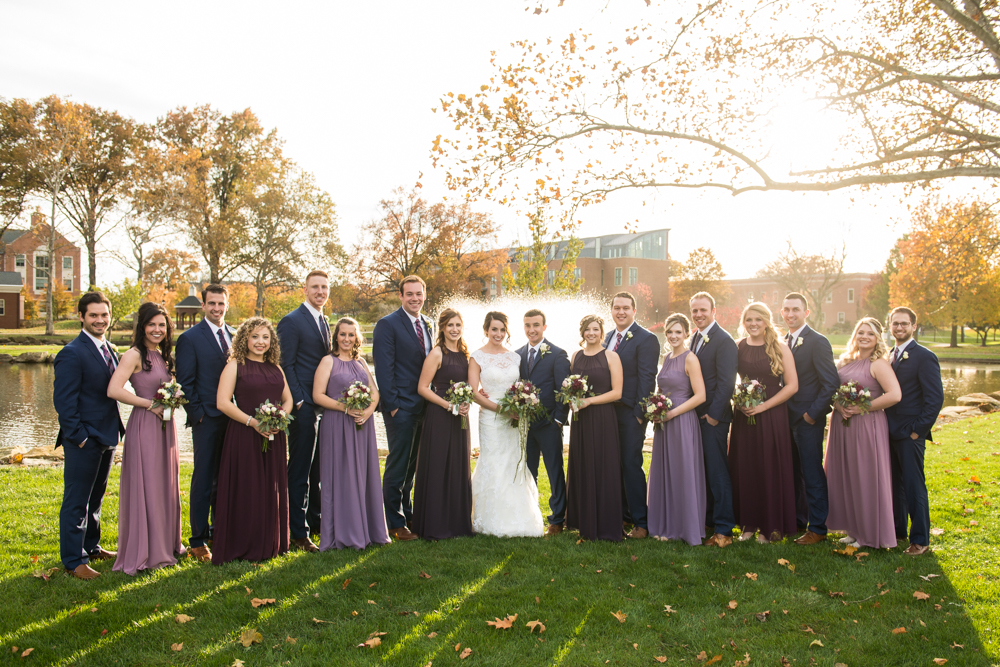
(248, 420)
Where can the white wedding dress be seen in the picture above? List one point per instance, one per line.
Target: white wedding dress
(504, 494)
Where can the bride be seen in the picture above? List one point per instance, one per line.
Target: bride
(504, 495)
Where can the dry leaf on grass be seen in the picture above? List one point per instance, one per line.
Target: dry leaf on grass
(733, 604)
(251, 636)
(432, 635)
(743, 663)
(260, 602)
(835, 594)
(465, 653)
(318, 621)
(899, 631)
(808, 630)
(815, 642)
(27, 652)
(502, 624)
(667, 609)
(535, 624)
(937, 531)
(929, 576)
(713, 660)
(345, 584)
(183, 618)
(660, 658)
(457, 647)
(920, 595)
(621, 616)
(846, 551)
(424, 575)
(237, 663)
(955, 645)
(752, 576)
(940, 661)
(291, 640)
(374, 639)
(634, 559)
(177, 647)
(763, 616)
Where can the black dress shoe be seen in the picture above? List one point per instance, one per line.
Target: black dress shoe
(305, 544)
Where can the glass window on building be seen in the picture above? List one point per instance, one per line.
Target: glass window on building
(41, 271)
(618, 277)
(67, 273)
(633, 276)
(829, 297)
(19, 261)
(576, 273)
(552, 277)
(850, 295)
(840, 318)
(3, 307)
(602, 277)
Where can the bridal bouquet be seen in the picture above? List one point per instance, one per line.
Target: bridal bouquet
(272, 418)
(749, 394)
(170, 396)
(522, 401)
(853, 394)
(574, 389)
(459, 394)
(655, 407)
(357, 396)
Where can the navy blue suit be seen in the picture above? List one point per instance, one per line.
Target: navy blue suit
(200, 360)
(719, 359)
(818, 381)
(919, 376)
(399, 359)
(545, 436)
(302, 348)
(639, 355)
(88, 416)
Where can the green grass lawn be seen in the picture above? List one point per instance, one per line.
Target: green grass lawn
(832, 609)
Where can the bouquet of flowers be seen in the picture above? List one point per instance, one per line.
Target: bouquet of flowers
(170, 396)
(357, 396)
(574, 389)
(853, 394)
(656, 406)
(749, 394)
(272, 418)
(459, 394)
(522, 401)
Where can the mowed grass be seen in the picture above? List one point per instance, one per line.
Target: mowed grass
(832, 609)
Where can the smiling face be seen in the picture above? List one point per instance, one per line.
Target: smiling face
(593, 334)
(702, 313)
(534, 329)
(155, 331)
(901, 327)
(215, 306)
(347, 334)
(676, 335)
(623, 312)
(96, 319)
(497, 332)
(453, 329)
(754, 324)
(794, 312)
(412, 295)
(866, 338)
(317, 291)
(259, 341)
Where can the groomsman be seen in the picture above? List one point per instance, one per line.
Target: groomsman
(910, 422)
(807, 411)
(639, 350)
(89, 430)
(401, 342)
(546, 366)
(716, 351)
(202, 353)
(304, 335)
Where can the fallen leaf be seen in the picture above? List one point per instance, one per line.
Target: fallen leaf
(424, 575)
(815, 642)
(535, 624)
(619, 615)
(260, 602)
(371, 602)
(635, 646)
(104, 632)
(249, 590)
(251, 636)
(315, 595)
(713, 660)
(836, 594)
(956, 645)
(93, 610)
(345, 584)
(237, 663)
(702, 657)
(763, 616)
(177, 647)
(899, 569)
(743, 663)
(457, 646)
(899, 631)
(318, 621)
(733, 604)
(502, 624)
(354, 613)
(782, 561)
(846, 551)
(920, 595)
(660, 658)
(183, 618)
(940, 661)
(937, 531)
(372, 585)
(635, 558)
(752, 576)
(808, 630)
(27, 652)
(371, 643)
(466, 652)
(432, 635)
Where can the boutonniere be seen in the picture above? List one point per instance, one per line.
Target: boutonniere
(543, 349)
(906, 355)
(704, 340)
(628, 336)
(798, 342)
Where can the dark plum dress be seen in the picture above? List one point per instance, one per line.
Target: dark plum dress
(352, 513)
(594, 474)
(442, 491)
(252, 515)
(760, 456)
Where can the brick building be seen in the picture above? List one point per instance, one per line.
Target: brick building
(26, 252)
(840, 309)
(614, 263)
(11, 301)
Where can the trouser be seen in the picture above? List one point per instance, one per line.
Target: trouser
(206, 436)
(546, 440)
(812, 502)
(909, 491)
(719, 486)
(631, 435)
(85, 479)
(303, 473)
(403, 434)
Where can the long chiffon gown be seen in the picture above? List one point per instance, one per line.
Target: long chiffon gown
(676, 496)
(252, 511)
(760, 456)
(352, 513)
(442, 490)
(858, 469)
(149, 501)
(594, 474)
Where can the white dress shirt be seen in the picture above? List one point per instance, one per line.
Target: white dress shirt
(795, 336)
(215, 333)
(100, 343)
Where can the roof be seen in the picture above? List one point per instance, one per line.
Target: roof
(10, 278)
(12, 235)
(189, 302)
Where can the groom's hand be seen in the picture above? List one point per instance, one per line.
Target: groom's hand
(713, 422)
(482, 392)
(393, 413)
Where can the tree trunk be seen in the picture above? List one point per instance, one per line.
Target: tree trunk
(50, 327)
(954, 336)
(92, 260)
(258, 308)
(962, 329)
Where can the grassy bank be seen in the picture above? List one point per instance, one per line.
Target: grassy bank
(675, 601)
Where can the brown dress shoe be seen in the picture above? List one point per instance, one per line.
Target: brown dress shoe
(718, 540)
(810, 538)
(554, 529)
(101, 554)
(402, 534)
(917, 549)
(638, 533)
(84, 572)
(202, 554)
(305, 544)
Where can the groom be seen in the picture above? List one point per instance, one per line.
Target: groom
(546, 366)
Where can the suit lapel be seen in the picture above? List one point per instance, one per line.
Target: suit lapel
(89, 344)
(523, 353)
(207, 330)
(800, 339)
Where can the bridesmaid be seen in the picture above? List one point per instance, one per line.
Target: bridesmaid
(351, 510)
(594, 475)
(760, 455)
(858, 472)
(442, 492)
(252, 508)
(676, 494)
(149, 501)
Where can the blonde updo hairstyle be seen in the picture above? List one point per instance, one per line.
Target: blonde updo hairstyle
(772, 341)
(672, 319)
(852, 353)
(586, 322)
(241, 341)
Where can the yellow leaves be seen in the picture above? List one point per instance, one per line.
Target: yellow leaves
(703, 657)
(899, 631)
(177, 647)
(504, 624)
(732, 604)
(374, 640)
(183, 618)
(920, 595)
(660, 658)
(846, 551)
(815, 642)
(621, 616)
(250, 636)
(785, 563)
(667, 609)
(466, 652)
(237, 663)
(260, 602)
(744, 662)
(27, 652)
(531, 625)
(974, 480)
(752, 576)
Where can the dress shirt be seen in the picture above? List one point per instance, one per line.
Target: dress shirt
(316, 315)
(100, 343)
(215, 334)
(703, 332)
(899, 349)
(794, 336)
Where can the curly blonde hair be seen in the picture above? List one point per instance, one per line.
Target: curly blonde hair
(772, 341)
(241, 341)
(586, 322)
(359, 338)
(852, 353)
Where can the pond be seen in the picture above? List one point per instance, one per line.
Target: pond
(27, 418)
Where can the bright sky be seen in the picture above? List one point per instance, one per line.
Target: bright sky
(350, 87)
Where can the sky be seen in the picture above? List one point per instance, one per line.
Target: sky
(350, 87)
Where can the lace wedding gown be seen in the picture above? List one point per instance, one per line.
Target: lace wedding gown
(504, 494)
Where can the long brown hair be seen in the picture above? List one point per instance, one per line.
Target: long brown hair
(444, 317)
(359, 338)
(145, 314)
(241, 341)
(772, 342)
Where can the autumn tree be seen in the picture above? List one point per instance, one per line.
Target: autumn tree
(981, 306)
(875, 297)
(17, 179)
(700, 272)
(815, 275)
(172, 268)
(688, 95)
(950, 254)
(532, 275)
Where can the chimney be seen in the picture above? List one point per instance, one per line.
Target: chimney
(37, 217)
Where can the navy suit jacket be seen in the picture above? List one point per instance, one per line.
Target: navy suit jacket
(399, 360)
(80, 396)
(200, 361)
(818, 377)
(548, 374)
(919, 378)
(302, 348)
(640, 356)
(719, 359)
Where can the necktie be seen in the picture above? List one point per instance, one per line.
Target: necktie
(324, 328)
(696, 342)
(531, 359)
(788, 339)
(618, 342)
(223, 343)
(420, 336)
(895, 355)
(108, 359)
